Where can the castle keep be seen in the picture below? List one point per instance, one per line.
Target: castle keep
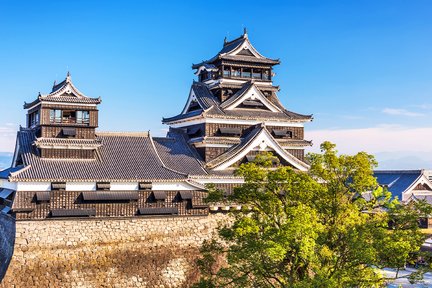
(95, 208)
(64, 167)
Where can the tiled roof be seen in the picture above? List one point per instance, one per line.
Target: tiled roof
(64, 92)
(233, 45)
(246, 142)
(176, 154)
(68, 142)
(121, 157)
(397, 182)
(212, 108)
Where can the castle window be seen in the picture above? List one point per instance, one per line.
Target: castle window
(256, 74)
(33, 119)
(236, 72)
(103, 186)
(282, 133)
(246, 73)
(69, 116)
(147, 186)
(82, 117)
(58, 186)
(227, 71)
(225, 131)
(55, 116)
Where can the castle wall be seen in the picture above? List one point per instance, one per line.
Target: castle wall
(133, 252)
(7, 238)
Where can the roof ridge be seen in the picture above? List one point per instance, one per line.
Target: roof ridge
(160, 159)
(124, 133)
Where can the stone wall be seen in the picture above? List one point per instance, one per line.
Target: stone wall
(133, 252)
(7, 237)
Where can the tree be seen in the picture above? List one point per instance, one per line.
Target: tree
(312, 229)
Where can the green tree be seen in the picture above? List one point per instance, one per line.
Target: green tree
(312, 229)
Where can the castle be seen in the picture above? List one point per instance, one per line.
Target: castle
(84, 208)
(64, 167)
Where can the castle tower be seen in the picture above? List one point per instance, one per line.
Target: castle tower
(233, 111)
(64, 122)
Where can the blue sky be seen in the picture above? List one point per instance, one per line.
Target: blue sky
(363, 68)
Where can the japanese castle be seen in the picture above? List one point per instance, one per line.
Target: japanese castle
(64, 167)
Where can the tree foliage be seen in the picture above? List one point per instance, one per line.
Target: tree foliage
(312, 229)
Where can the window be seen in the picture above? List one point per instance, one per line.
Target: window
(82, 117)
(246, 73)
(69, 116)
(33, 119)
(227, 72)
(236, 72)
(55, 116)
(256, 74)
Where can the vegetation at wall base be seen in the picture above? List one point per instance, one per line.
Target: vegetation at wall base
(314, 229)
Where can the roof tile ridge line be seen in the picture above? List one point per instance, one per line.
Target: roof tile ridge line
(239, 144)
(124, 133)
(194, 153)
(16, 173)
(160, 159)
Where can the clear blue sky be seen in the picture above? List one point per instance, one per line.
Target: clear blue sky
(363, 68)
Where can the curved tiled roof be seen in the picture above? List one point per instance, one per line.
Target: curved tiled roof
(121, 157)
(245, 143)
(232, 46)
(212, 108)
(64, 92)
(398, 181)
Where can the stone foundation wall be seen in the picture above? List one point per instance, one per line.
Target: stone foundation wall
(7, 238)
(134, 252)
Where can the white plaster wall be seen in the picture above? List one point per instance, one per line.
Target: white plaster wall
(33, 186)
(80, 186)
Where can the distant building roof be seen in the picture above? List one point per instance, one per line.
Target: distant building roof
(397, 181)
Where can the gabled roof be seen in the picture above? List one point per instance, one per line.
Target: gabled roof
(258, 137)
(212, 108)
(122, 157)
(232, 50)
(398, 182)
(248, 91)
(63, 92)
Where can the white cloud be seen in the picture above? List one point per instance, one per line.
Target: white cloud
(8, 137)
(401, 112)
(384, 138)
(398, 143)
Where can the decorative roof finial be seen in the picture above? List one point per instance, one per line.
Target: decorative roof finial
(55, 83)
(68, 77)
(244, 31)
(225, 40)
